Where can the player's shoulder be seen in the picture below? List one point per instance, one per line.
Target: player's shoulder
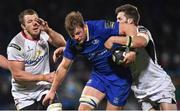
(98, 23)
(95, 26)
(17, 42)
(142, 29)
(18, 38)
(94, 21)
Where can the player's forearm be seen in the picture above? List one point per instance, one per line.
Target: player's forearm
(59, 77)
(118, 40)
(56, 38)
(28, 77)
(135, 42)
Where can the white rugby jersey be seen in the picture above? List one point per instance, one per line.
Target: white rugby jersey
(148, 76)
(35, 55)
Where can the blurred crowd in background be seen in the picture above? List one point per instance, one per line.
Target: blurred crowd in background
(160, 17)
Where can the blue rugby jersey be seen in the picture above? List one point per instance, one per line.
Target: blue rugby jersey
(93, 48)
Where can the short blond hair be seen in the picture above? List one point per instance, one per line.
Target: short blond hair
(73, 20)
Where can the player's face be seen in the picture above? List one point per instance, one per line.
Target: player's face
(79, 34)
(121, 17)
(31, 25)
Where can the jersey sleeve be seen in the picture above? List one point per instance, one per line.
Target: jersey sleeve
(68, 52)
(143, 32)
(15, 52)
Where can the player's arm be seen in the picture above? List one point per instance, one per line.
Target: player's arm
(132, 37)
(55, 38)
(57, 53)
(59, 77)
(17, 69)
(3, 62)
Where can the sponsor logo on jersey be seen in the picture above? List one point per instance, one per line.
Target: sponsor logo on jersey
(96, 41)
(36, 60)
(97, 54)
(15, 46)
(109, 24)
(116, 100)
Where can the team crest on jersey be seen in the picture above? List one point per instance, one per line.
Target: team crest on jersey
(96, 41)
(15, 46)
(29, 49)
(109, 24)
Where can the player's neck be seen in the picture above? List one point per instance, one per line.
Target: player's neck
(28, 36)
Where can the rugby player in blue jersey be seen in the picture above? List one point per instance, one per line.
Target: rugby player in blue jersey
(107, 80)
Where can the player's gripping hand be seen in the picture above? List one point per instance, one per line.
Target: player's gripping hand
(123, 56)
(49, 77)
(129, 57)
(43, 25)
(57, 53)
(48, 99)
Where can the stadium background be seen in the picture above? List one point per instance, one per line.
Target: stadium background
(161, 17)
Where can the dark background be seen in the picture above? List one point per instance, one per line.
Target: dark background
(161, 17)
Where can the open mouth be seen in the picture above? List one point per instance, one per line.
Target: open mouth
(36, 29)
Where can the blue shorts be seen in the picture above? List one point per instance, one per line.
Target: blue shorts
(116, 91)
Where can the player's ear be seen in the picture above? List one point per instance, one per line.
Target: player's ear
(130, 21)
(23, 27)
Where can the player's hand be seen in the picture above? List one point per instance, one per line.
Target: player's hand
(108, 44)
(48, 99)
(49, 77)
(43, 25)
(57, 53)
(129, 57)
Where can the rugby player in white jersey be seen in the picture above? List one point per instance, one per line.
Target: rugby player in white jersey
(152, 86)
(28, 55)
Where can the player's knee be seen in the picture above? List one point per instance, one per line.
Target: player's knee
(88, 102)
(55, 107)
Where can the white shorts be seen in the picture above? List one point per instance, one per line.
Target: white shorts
(22, 102)
(161, 97)
(164, 93)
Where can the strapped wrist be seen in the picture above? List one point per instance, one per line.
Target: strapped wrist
(129, 41)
